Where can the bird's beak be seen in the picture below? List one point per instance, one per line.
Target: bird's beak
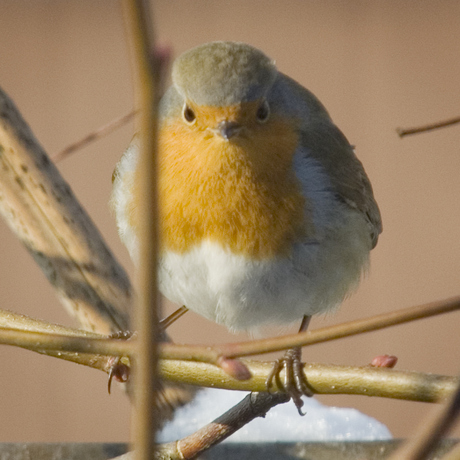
(228, 129)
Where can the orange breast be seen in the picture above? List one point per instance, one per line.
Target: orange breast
(241, 194)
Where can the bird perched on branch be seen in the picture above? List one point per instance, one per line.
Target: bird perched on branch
(266, 214)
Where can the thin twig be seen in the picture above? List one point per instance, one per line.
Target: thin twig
(324, 379)
(402, 132)
(25, 332)
(173, 317)
(147, 66)
(431, 431)
(94, 136)
(454, 454)
(339, 331)
(213, 354)
(252, 406)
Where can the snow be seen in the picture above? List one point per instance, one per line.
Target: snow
(282, 423)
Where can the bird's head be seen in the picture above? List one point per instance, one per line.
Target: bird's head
(223, 89)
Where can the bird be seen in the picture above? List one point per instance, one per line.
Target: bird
(266, 215)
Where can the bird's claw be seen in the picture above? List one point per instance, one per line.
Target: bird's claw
(116, 369)
(295, 382)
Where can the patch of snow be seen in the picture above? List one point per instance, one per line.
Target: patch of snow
(282, 423)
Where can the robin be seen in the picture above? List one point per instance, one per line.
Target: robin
(266, 214)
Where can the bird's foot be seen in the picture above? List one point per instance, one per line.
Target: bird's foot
(116, 369)
(295, 382)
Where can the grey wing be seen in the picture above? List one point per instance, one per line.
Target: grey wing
(321, 139)
(326, 143)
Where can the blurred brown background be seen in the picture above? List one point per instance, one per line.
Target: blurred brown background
(375, 65)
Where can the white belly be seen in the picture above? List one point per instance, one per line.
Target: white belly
(243, 294)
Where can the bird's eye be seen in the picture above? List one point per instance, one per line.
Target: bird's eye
(189, 115)
(263, 112)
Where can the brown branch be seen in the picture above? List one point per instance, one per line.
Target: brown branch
(322, 379)
(42, 211)
(173, 317)
(338, 331)
(214, 354)
(148, 68)
(325, 379)
(402, 132)
(431, 431)
(29, 333)
(25, 332)
(94, 136)
(454, 454)
(252, 406)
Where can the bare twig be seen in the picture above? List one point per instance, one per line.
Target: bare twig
(25, 332)
(325, 379)
(339, 331)
(322, 378)
(173, 317)
(252, 406)
(454, 454)
(94, 136)
(29, 333)
(402, 132)
(147, 67)
(214, 354)
(431, 431)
